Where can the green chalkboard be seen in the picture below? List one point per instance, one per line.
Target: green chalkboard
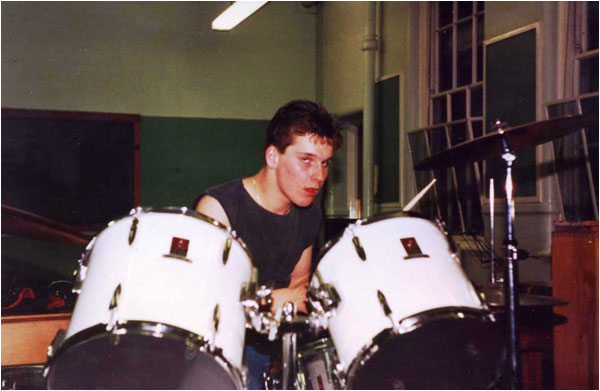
(510, 83)
(181, 157)
(387, 140)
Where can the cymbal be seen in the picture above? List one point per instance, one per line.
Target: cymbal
(495, 298)
(18, 222)
(518, 137)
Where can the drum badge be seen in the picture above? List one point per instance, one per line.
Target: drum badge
(412, 248)
(179, 247)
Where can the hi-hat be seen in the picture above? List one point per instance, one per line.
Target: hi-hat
(518, 137)
(495, 298)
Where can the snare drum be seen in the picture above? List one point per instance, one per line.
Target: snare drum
(159, 307)
(408, 317)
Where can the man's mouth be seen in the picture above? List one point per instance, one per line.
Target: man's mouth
(312, 191)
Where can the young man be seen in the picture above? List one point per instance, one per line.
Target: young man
(273, 212)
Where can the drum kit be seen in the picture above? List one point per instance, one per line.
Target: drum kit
(166, 295)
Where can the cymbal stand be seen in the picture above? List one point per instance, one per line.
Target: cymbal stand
(511, 275)
(492, 255)
(289, 342)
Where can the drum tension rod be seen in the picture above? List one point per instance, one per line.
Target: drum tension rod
(386, 310)
(226, 250)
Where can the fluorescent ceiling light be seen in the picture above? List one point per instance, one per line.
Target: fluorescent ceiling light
(235, 14)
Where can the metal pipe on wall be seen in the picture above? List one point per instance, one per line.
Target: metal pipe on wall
(369, 47)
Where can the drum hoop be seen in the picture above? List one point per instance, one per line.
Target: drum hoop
(191, 213)
(366, 221)
(412, 323)
(150, 329)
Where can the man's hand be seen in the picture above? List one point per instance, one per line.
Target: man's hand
(295, 295)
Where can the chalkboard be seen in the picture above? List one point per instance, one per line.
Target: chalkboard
(71, 167)
(182, 157)
(510, 85)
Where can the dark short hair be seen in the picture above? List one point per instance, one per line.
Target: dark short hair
(300, 117)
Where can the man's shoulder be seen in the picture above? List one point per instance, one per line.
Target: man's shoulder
(224, 188)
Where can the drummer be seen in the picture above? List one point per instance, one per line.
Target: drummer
(274, 214)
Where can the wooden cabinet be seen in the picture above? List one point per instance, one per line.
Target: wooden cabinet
(575, 279)
(25, 338)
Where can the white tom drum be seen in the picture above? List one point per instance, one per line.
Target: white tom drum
(407, 316)
(159, 307)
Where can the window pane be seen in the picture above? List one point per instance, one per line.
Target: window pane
(592, 25)
(459, 105)
(445, 12)
(464, 53)
(480, 6)
(468, 194)
(590, 106)
(440, 110)
(437, 140)
(445, 189)
(476, 102)
(418, 149)
(458, 134)
(477, 127)
(480, 48)
(445, 58)
(588, 75)
(465, 8)
(562, 109)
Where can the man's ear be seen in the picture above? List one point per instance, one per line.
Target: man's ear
(272, 156)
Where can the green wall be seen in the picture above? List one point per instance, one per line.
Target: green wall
(181, 157)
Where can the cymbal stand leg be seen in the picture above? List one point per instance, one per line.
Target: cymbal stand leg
(511, 292)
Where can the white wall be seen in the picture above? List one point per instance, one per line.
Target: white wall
(158, 59)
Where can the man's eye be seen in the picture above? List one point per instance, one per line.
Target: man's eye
(305, 159)
(325, 164)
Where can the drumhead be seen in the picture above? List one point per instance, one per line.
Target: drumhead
(451, 353)
(136, 359)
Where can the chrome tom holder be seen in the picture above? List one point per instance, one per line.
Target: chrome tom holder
(256, 301)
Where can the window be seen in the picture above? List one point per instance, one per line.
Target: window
(455, 114)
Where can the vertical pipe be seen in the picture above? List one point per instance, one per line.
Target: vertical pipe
(369, 47)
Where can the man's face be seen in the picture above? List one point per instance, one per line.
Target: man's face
(303, 168)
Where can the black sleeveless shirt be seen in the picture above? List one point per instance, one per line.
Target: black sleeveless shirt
(275, 241)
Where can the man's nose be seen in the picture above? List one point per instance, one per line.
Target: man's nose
(319, 173)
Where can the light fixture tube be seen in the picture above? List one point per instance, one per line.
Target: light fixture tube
(235, 14)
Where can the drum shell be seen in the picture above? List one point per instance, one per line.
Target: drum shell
(155, 286)
(410, 284)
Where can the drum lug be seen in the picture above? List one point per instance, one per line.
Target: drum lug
(113, 309)
(387, 311)
(79, 278)
(324, 299)
(84, 261)
(216, 320)
(114, 302)
(133, 230)
(359, 249)
(226, 250)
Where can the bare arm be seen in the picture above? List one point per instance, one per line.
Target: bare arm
(296, 291)
(210, 207)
